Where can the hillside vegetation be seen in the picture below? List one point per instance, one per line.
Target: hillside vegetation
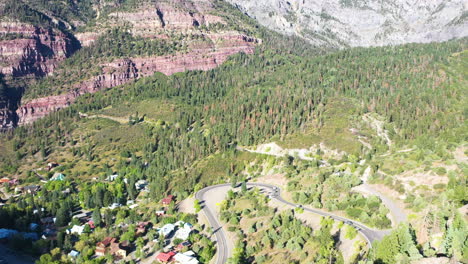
(397, 110)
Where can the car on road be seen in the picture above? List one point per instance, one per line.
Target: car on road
(299, 205)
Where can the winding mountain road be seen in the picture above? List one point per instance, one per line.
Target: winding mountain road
(225, 246)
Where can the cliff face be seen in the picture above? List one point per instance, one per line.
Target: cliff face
(122, 71)
(30, 50)
(362, 23)
(198, 26)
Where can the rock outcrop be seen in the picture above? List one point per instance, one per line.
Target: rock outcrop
(362, 23)
(26, 49)
(7, 117)
(122, 71)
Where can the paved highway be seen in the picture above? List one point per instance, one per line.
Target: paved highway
(224, 251)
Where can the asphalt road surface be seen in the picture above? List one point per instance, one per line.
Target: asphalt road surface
(224, 251)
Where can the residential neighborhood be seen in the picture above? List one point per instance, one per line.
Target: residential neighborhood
(165, 236)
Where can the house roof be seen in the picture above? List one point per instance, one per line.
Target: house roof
(167, 229)
(58, 177)
(183, 244)
(168, 199)
(185, 258)
(165, 257)
(4, 180)
(107, 241)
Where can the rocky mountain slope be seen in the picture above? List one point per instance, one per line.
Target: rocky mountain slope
(171, 36)
(362, 22)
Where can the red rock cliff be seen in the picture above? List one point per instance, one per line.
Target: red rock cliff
(122, 71)
(30, 50)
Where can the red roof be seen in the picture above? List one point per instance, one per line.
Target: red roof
(165, 257)
(168, 199)
(4, 180)
(107, 241)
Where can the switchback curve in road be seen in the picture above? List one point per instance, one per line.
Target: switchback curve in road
(224, 251)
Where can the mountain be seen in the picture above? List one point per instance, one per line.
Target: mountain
(108, 44)
(365, 23)
(128, 123)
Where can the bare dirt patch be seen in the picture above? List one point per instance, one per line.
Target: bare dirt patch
(187, 205)
(459, 154)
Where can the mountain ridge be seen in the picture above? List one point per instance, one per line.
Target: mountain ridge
(342, 23)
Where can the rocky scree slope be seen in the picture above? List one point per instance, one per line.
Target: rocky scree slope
(342, 23)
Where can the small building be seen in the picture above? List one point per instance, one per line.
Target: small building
(183, 233)
(57, 177)
(51, 165)
(74, 254)
(160, 213)
(142, 227)
(7, 233)
(4, 180)
(141, 184)
(33, 226)
(76, 229)
(114, 205)
(167, 230)
(169, 199)
(183, 245)
(112, 177)
(119, 249)
(185, 258)
(103, 246)
(165, 257)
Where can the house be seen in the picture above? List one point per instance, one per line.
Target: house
(183, 245)
(183, 233)
(33, 226)
(51, 165)
(7, 233)
(76, 229)
(165, 257)
(186, 258)
(167, 200)
(167, 230)
(73, 254)
(110, 245)
(4, 180)
(160, 213)
(114, 205)
(49, 233)
(142, 227)
(112, 177)
(57, 177)
(140, 184)
(133, 206)
(103, 246)
(119, 249)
